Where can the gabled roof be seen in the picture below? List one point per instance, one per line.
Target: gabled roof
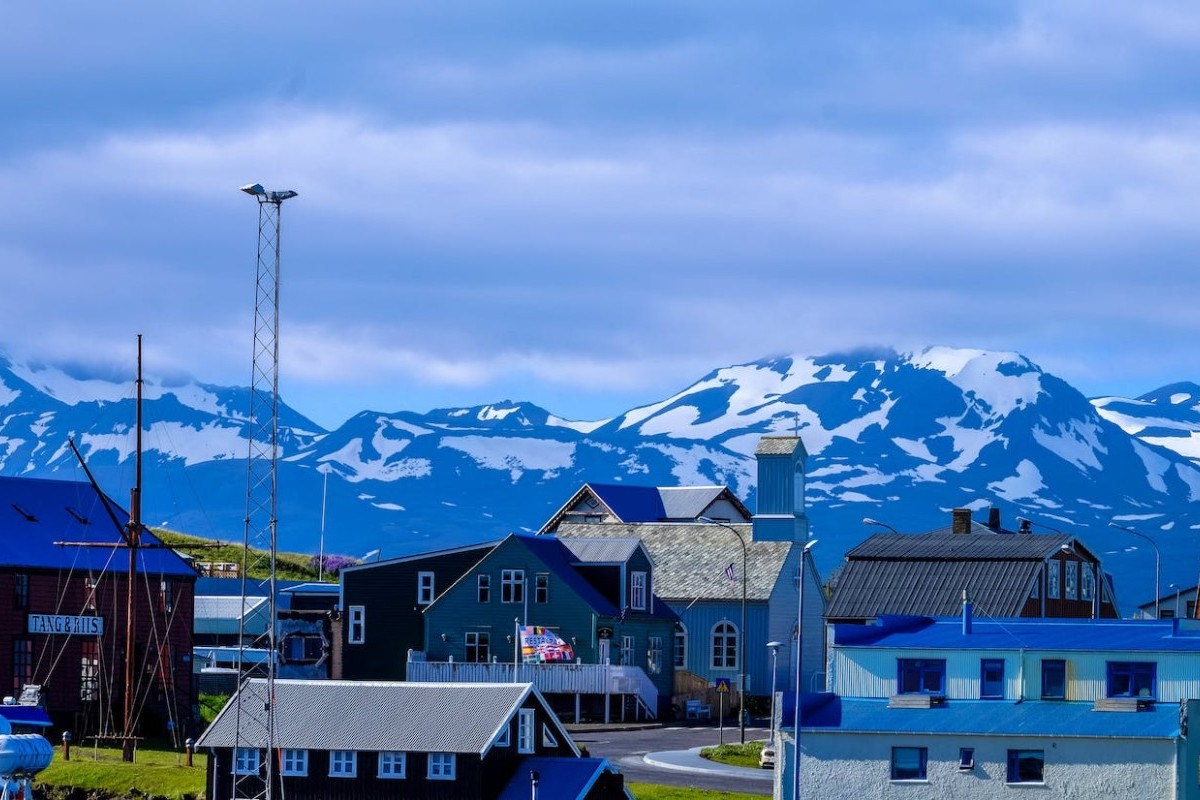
(420, 718)
(690, 558)
(36, 513)
(563, 778)
(927, 573)
(603, 551)
(636, 504)
(219, 614)
(481, 546)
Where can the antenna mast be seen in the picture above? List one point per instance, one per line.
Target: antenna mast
(256, 715)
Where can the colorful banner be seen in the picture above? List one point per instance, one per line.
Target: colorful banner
(542, 644)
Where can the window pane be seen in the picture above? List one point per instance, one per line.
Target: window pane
(908, 763)
(991, 678)
(1054, 679)
(1025, 766)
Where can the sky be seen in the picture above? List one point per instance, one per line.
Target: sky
(590, 205)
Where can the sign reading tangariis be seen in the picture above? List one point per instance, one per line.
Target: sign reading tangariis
(59, 623)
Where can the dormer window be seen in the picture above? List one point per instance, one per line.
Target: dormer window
(637, 591)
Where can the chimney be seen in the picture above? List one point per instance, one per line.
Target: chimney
(1026, 526)
(967, 613)
(962, 520)
(994, 519)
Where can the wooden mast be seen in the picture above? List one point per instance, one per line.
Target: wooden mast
(132, 540)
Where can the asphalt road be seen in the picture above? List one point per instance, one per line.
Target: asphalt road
(626, 748)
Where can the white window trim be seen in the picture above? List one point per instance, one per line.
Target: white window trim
(526, 743)
(357, 619)
(425, 588)
(398, 759)
(505, 736)
(256, 761)
(548, 737)
(482, 583)
(512, 579)
(682, 633)
(712, 639)
(448, 760)
(637, 591)
(299, 759)
(353, 773)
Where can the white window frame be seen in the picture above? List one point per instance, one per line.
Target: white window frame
(505, 736)
(725, 631)
(356, 627)
(548, 737)
(393, 765)
(512, 586)
(483, 588)
(1087, 582)
(627, 651)
(637, 590)
(654, 655)
(479, 641)
(525, 731)
(541, 587)
(1053, 580)
(679, 646)
(295, 762)
(1071, 581)
(425, 586)
(440, 767)
(339, 760)
(247, 761)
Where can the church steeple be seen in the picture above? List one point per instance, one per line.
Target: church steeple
(780, 513)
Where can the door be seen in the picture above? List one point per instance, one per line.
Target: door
(603, 654)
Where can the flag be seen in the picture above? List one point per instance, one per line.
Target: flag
(729, 573)
(542, 644)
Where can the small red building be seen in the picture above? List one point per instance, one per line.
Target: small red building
(67, 628)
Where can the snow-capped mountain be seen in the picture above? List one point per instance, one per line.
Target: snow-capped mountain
(902, 438)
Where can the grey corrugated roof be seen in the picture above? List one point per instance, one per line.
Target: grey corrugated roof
(777, 445)
(940, 545)
(374, 715)
(603, 551)
(870, 587)
(687, 502)
(690, 558)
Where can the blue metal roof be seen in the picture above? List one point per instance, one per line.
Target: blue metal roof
(563, 777)
(982, 717)
(1089, 635)
(36, 513)
(631, 503)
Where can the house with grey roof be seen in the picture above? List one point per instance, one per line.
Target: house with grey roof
(1006, 573)
(707, 564)
(366, 739)
(619, 502)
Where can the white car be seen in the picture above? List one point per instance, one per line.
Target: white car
(766, 759)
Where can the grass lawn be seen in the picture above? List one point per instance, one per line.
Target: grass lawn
(154, 773)
(737, 755)
(652, 791)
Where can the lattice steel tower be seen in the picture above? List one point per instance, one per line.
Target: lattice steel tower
(254, 769)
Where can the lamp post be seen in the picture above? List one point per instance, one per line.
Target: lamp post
(1157, 560)
(870, 521)
(774, 658)
(742, 632)
(1176, 587)
(799, 660)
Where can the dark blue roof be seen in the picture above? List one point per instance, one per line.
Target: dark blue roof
(25, 715)
(36, 513)
(563, 777)
(631, 503)
(982, 717)
(1178, 635)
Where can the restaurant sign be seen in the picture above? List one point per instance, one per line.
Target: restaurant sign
(60, 623)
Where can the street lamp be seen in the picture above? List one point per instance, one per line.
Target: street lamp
(869, 521)
(1176, 587)
(742, 632)
(799, 660)
(774, 658)
(1157, 560)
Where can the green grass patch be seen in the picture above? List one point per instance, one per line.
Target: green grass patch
(737, 755)
(211, 705)
(653, 791)
(288, 566)
(155, 773)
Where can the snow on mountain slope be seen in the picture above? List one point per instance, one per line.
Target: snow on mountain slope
(1167, 417)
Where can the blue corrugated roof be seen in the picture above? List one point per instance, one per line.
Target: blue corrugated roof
(1006, 634)
(983, 717)
(566, 778)
(631, 503)
(36, 513)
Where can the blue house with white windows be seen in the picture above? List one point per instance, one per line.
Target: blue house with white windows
(959, 706)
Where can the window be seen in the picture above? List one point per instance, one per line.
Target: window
(1191, 609)
(89, 671)
(525, 730)
(920, 676)
(302, 648)
(1054, 679)
(724, 646)
(637, 591)
(21, 591)
(1052, 579)
(680, 653)
(295, 762)
(991, 679)
(1166, 613)
(512, 586)
(541, 588)
(246, 761)
(654, 656)
(22, 651)
(627, 651)
(441, 767)
(1037, 588)
(358, 625)
(504, 737)
(548, 737)
(477, 647)
(1026, 766)
(908, 763)
(966, 758)
(1087, 582)
(166, 588)
(1131, 678)
(483, 588)
(343, 763)
(391, 764)
(1072, 582)
(424, 588)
